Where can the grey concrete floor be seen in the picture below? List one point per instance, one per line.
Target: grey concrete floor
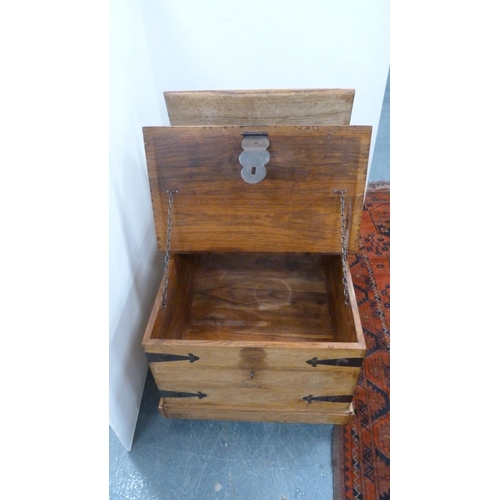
(202, 460)
(198, 459)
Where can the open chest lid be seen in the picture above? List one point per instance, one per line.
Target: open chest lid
(295, 207)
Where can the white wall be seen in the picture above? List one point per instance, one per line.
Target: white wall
(236, 44)
(158, 45)
(134, 263)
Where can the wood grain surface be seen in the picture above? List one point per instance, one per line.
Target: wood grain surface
(255, 297)
(260, 107)
(240, 385)
(294, 209)
(260, 297)
(308, 415)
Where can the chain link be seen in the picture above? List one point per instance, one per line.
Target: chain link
(344, 243)
(167, 253)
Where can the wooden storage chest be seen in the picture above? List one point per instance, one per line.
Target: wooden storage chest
(251, 320)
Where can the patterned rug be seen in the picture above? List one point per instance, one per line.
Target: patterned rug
(360, 454)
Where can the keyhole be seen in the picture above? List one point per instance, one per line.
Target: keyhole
(254, 169)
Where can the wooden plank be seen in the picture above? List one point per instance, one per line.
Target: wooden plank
(257, 356)
(353, 304)
(181, 282)
(256, 334)
(253, 386)
(260, 107)
(294, 209)
(341, 313)
(307, 416)
(260, 297)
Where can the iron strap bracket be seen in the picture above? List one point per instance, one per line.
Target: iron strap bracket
(335, 362)
(165, 358)
(328, 399)
(175, 394)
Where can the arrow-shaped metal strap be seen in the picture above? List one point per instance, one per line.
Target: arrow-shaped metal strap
(175, 394)
(335, 362)
(160, 357)
(328, 399)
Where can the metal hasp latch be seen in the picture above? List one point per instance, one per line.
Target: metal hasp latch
(254, 156)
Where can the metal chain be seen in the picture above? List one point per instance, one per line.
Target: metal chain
(344, 244)
(167, 254)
